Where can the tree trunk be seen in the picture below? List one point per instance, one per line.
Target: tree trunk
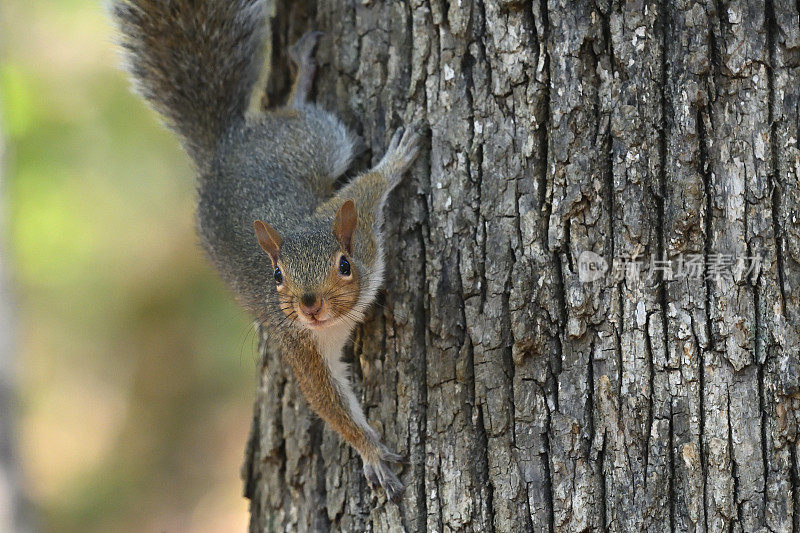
(525, 396)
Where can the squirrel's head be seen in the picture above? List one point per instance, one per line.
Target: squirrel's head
(315, 274)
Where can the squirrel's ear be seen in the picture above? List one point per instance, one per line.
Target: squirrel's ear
(345, 225)
(269, 239)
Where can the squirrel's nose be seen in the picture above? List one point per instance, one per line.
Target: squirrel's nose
(309, 304)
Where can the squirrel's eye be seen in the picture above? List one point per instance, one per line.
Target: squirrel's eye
(278, 276)
(344, 267)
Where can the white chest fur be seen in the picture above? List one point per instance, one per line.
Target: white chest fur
(330, 343)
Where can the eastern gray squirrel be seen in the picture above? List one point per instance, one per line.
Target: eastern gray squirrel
(304, 260)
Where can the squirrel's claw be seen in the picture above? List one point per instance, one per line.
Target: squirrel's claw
(408, 147)
(379, 473)
(401, 153)
(395, 142)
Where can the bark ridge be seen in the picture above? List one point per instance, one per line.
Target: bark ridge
(524, 397)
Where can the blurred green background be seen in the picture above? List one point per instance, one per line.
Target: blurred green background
(136, 368)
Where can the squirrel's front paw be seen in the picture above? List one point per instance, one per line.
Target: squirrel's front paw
(380, 474)
(401, 153)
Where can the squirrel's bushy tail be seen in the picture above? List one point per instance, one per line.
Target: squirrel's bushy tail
(195, 61)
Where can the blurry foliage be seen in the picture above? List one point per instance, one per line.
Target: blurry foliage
(136, 367)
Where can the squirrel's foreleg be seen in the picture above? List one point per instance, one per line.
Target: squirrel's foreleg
(325, 382)
(399, 156)
(370, 189)
(322, 376)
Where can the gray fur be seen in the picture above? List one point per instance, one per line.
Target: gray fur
(255, 177)
(194, 61)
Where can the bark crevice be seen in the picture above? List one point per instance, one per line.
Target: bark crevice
(526, 396)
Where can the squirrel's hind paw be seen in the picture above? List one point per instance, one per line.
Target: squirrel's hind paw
(302, 51)
(379, 473)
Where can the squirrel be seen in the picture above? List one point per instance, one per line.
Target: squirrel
(304, 259)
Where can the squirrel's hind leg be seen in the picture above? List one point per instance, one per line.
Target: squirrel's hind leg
(334, 145)
(302, 55)
(329, 143)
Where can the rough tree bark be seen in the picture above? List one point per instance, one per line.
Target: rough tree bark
(524, 398)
